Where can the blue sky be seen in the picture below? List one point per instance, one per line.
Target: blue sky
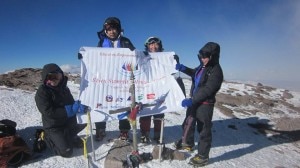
(259, 38)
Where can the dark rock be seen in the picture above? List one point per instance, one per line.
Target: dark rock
(27, 79)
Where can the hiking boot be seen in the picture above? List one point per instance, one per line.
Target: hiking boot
(145, 139)
(123, 135)
(198, 160)
(77, 142)
(183, 146)
(100, 134)
(167, 153)
(187, 147)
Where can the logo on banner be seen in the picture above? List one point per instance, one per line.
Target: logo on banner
(151, 96)
(109, 98)
(119, 99)
(140, 97)
(98, 105)
(128, 67)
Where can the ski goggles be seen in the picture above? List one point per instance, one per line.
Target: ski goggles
(112, 25)
(53, 76)
(203, 54)
(151, 40)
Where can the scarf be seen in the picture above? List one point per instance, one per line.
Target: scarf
(197, 78)
(109, 44)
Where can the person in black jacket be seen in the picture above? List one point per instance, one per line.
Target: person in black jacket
(206, 82)
(58, 108)
(111, 37)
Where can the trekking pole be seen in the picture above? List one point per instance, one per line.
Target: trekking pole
(161, 138)
(133, 108)
(91, 131)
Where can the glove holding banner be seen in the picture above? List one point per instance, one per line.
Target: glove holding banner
(77, 107)
(180, 67)
(186, 102)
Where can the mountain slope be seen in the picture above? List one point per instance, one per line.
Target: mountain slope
(253, 126)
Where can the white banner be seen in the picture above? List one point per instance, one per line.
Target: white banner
(105, 82)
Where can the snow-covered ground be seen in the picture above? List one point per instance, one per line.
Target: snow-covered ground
(235, 144)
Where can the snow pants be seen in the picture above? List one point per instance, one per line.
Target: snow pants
(204, 115)
(145, 124)
(60, 140)
(188, 127)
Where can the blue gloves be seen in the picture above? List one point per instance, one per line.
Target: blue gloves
(82, 108)
(180, 67)
(186, 102)
(77, 107)
(70, 112)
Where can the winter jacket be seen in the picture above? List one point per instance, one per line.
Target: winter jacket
(211, 79)
(124, 42)
(51, 101)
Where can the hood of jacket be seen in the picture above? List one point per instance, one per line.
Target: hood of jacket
(110, 22)
(213, 49)
(48, 68)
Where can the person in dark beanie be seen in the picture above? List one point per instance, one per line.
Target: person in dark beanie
(58, 108)
(207, 79)
(111, 37)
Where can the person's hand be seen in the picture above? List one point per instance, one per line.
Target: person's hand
(69, 109)
(82, 109)
(180, 67)
(79, 108)
(75, 106)
(186, 102)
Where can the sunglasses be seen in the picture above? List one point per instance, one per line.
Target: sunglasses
(109, 26)
(203, 54)
(53, 76)
(153, 40)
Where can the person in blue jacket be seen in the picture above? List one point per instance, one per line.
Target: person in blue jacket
(111, 37)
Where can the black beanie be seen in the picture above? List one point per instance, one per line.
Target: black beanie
(112, 22)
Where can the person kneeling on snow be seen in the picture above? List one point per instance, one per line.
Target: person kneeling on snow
(58, 108)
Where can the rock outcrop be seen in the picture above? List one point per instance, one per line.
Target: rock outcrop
(27, 79)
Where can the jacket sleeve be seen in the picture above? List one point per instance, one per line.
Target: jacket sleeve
(189, 71)
(45, 104)
(208, 89)
(126, 43)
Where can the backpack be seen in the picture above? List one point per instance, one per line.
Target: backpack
(13, 149)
